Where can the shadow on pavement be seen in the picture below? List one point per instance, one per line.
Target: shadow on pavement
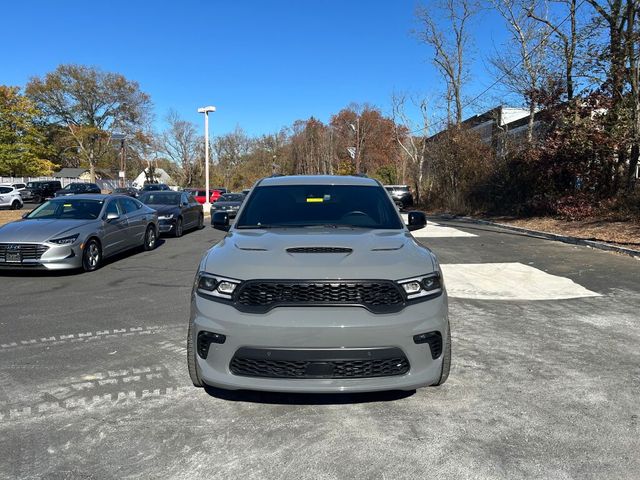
(249, 396)
(23, 272)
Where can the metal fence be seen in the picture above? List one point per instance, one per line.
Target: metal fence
(105, 185)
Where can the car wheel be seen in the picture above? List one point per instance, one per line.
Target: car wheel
(150, 238)
(201, 222)
(91, 256)
(16, 205)
(37, 199)
(179, 227)
(446, 360)
(191, 361)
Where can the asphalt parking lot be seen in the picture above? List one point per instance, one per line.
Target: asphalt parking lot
(93, 380)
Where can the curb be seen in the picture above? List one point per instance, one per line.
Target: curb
(548, 236)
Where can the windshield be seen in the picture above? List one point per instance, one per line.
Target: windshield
(231, 197)
(319, 205)
(160, 198)
(72, 209)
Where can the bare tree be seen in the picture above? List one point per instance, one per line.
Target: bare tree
(444, 27)
(568, 39)
(180, 142)
(411, 136)
(522, 66)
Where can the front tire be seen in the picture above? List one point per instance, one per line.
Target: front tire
(179, 228)
(91, 256)
(201, 222)
(150, 239)
(446, 360)
(192, 362)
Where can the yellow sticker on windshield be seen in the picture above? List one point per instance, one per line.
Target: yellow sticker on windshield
(315, 200)
(67, 205)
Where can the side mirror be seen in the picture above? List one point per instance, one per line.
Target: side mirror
(112, 216)
(220, 221)
(417, 220)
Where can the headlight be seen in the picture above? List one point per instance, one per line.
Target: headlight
(165, 217)
(423, 286)
(215, 286)
(65, 240)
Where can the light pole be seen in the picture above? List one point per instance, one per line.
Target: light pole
(206, 110)
(123, 161)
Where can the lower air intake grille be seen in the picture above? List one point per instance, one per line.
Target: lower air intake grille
(293, 364)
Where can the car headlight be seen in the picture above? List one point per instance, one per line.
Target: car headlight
(165, 217)
(209, 285)
(65, 240)
(423, 286)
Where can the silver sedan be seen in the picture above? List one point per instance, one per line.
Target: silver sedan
(77, 232)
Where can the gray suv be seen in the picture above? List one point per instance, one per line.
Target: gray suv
(319, 287)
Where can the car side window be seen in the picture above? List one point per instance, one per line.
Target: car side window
(128, 205)
(112, 207)
(5, 189)
(183, 199)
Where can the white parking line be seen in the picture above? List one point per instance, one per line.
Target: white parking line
(435, 230)
(508, 281)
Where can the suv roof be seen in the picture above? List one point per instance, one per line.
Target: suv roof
(318, 180)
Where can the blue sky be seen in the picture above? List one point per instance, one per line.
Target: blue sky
(263, 64)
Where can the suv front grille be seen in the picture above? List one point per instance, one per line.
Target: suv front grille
(383, 362)
(378, 296)
(28, 251)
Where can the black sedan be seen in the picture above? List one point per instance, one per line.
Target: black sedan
(229, 203)
(78, 189)
(177, 211)
(129, 191)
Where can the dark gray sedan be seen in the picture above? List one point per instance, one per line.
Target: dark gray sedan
(177, 211)
(77, 232)
(229, 203)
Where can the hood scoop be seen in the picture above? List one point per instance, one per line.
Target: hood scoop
(319, 250)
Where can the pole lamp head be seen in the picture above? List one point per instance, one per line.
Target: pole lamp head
(207, 109)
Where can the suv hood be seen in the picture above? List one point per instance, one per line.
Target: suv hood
(375, 254)
(24, 231)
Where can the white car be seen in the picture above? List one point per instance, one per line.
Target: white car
(10, 197)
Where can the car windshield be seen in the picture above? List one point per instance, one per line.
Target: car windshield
(72, 209)
(231, 197)
(319, 205)
(164, 198)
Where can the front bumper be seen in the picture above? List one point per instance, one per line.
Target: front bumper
(314, 329)
(56, 257)
(230, 213)
(166, 226)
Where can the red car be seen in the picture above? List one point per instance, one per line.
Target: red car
(200, 195)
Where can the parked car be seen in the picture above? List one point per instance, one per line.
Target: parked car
(10, 197)
(319, 287)
(154, 187)
(77, 189)
(401, 195)
(39, 191)
(229, 202)
(129, 191)
(177, 211)
(200, 195)
(246, 191)
(77, 232)
(17, 185)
